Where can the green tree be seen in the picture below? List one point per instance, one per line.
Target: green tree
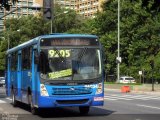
(139, 35)
(65, 19)
(25, 28)
(18, 31)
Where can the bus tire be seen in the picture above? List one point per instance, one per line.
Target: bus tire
(84, 110)
(14, 101)
(34, 110)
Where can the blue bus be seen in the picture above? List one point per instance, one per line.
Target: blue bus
(56, 70)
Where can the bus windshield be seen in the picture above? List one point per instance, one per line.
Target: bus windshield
(70, 64)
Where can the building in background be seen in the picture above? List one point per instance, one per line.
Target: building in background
(1, 21)
(86, 8)
(22, 7)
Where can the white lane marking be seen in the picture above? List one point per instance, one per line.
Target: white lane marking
(5, 100)
(143, 97)
(8, 98)
(120, 97)
(135, 96)
(1, 101)
(112, 97)
(140, 97)
(148, 106)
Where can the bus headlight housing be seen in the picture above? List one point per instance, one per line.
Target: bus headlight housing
(43, 90)
(99, 88)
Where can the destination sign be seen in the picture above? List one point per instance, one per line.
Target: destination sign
(69, 42)
(59, 53)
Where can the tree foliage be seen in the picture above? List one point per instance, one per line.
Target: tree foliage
(139, 36)
(65, 19)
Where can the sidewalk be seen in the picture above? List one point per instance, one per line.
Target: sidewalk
(134, 90)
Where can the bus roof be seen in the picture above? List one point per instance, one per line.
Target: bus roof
(64, 35)
(54, 35)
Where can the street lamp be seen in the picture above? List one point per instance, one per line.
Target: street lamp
(118, 55)
(52, 6)
(8, 41)
(55, 21)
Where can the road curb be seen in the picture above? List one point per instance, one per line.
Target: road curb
(157, 93)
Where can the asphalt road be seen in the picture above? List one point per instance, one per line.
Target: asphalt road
(118, 106)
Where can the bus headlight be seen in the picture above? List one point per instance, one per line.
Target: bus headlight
(99, 88)
(43, 90)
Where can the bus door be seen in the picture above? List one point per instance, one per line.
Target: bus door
(13, 73)
(34, 76)
(19, 76)
(26, 73)
(8, 82)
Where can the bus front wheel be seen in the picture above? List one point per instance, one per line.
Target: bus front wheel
(84, 110)
(34, 110)
(14, 101)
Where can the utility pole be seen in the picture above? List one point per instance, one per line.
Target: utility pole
(54, 14)
(118, 46)
(152, 67)
(152, 81)
(52, 2)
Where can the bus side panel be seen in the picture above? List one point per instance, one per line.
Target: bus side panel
(26, 83)
(19, 79)
(14, 82)
(36, 89)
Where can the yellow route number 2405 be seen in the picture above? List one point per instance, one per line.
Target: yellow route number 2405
(59, 53)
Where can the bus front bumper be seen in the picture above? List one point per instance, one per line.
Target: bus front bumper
(67, 101)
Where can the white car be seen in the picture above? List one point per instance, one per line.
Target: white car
(2, 81)
(127, 79)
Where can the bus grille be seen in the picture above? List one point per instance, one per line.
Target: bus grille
(71, 91)
(72, 101)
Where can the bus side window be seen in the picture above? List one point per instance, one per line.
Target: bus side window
(14, 61)
(44, 63)
(26, 58)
